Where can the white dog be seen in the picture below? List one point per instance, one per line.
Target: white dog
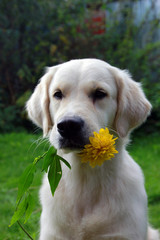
(72, 101)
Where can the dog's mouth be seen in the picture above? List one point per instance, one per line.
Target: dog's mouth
(72, 144)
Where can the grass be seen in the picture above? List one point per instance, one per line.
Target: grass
(146, 152)
(17, 150)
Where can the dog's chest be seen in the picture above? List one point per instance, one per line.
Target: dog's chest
(87, 220)
(82, 209)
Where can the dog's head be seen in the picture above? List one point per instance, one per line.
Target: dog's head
(81, 96)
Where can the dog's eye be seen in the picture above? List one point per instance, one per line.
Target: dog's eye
(99, 94)
(58, 95)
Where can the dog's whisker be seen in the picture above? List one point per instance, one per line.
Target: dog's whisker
(37, 143)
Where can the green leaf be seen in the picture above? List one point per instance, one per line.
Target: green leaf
(63, 160)
(30, 207)
(48, 158)
(25, 180)
(54, 174)
(19, 212)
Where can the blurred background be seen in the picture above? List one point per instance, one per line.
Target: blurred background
(39, 33)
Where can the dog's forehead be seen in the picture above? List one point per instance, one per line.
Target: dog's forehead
(83, 72)
(68, 72)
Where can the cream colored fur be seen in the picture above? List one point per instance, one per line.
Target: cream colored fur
(107, 202)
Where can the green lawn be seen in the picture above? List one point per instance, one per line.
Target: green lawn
(17, 150)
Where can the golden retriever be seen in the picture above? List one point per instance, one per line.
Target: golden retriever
(72, 101)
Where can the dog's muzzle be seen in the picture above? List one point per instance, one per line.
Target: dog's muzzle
(72, 132)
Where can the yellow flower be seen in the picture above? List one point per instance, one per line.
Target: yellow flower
(100, 148)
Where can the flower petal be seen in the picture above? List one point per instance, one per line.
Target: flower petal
(101, 148)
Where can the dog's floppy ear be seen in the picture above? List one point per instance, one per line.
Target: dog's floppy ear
(132, 105)
(38, 104)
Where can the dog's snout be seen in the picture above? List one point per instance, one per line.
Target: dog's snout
(70, 127)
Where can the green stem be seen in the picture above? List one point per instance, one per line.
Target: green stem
(24, 230)
(36, 160)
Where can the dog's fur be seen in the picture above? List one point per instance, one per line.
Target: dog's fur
(107, 202)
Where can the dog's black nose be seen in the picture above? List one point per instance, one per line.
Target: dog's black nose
(70, 127)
